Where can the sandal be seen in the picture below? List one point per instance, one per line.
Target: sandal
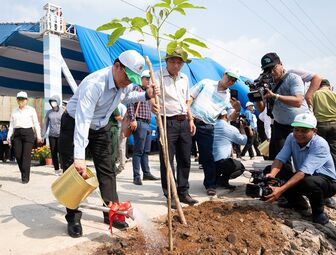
(211, 192)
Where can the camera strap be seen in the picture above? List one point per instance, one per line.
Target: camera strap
(280, 83)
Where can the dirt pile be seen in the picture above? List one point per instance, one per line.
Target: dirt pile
(243, 227)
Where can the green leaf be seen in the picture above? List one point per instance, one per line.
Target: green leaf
(109, 26)
(149, 17)
(179, 33)
(193, 52)
(126, 19)
(177, 2)
(196, 42)
(171, 47)
(167, 1)
(138, 29)
(154, 30)
(115, 35)
(170, 36)
(139, 22)
(188, 5)
(163, 5)
(180, 10)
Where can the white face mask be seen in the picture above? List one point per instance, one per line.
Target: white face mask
(53, 104)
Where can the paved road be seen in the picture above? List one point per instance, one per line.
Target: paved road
(32, 221)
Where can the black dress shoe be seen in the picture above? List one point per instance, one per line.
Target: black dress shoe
(150, 178)
(75, 229)
(137, 182)
(119, 224)
(321, 218)
(187, 199)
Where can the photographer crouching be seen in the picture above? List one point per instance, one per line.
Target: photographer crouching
(315, 175)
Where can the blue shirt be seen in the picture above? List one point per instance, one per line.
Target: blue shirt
(291, 86)
(314, 158)
(249, 117)
(208, 103)
(93, 103)
(224, 135)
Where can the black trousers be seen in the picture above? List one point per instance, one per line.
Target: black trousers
(179, 146)
(101, 149)
(227, 169)
(251, 141)
(4, 151)
(328, 131)
(315, 187)
(23, 142)
(53, 141)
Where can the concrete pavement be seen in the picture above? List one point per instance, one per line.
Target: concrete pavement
(32, 221)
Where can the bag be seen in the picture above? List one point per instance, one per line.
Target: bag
(126, 130)
(264, 148)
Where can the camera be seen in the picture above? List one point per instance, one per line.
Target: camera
(259, 186)
(257, 87)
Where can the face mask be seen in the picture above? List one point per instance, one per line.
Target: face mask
(53, 104)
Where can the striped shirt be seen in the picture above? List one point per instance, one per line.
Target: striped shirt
(208, 102)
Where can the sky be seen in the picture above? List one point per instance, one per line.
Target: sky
(237, 32)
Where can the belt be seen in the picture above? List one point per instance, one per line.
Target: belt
(177, 117)
(143, 120)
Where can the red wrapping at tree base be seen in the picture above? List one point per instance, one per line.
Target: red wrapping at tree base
(115, 207)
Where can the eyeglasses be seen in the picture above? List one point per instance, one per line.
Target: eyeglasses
(270, 69)
(21, 98)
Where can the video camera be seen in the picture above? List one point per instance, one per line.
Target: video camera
(259, 186)
(257, 87)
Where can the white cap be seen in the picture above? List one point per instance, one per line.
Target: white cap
(232, 73)
(145, 73)
(249, 104)
(133, 60)
(306, 120)
(22, 94)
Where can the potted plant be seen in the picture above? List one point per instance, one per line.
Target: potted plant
(42, 154)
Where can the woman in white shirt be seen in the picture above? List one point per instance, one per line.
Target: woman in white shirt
(23, 122)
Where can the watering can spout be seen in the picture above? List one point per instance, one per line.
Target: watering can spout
(128, 213)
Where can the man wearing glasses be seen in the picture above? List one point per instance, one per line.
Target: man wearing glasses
(315, 175)
(287, 97)
(86, 123)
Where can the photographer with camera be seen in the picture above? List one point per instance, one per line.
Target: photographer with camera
(284, 97)
(226, 167)
(315, 175)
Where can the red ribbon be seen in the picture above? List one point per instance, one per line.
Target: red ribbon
(117, 206)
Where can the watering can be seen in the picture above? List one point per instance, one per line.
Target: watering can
(70, 189)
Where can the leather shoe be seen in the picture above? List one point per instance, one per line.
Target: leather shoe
(187, 199)
(137, 182)
(150, 177)
(321, 218)
(75, 229)
(119, 224)
(330, 202)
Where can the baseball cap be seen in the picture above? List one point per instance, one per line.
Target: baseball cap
(22, 94)
(325, 82)
(134, 64)
(179, 53)
(306, 120)
(249, 104)
(233, 74)
(269, 60)
(145, 73)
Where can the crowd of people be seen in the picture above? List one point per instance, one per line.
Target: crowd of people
(296, 120)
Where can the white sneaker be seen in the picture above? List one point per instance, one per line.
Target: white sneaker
(58, 172)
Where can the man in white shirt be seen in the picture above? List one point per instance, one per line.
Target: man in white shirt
(85, 123)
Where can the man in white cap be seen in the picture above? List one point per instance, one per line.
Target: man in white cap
(208, 99)
(140, 115)
(250, 131)
(85, 123)
(315, 175)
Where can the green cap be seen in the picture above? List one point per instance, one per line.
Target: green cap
(132, 76)
(179, 53)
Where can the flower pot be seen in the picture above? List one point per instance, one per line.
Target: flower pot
(48, 161)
